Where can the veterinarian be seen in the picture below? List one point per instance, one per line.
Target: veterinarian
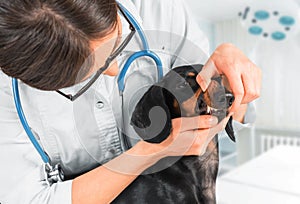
(49, 46)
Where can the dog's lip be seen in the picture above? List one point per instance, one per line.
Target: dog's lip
(211, 110)
(222, 108)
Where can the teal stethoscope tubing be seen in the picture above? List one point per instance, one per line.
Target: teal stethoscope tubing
(121, 83)
(25, 125)
(146, 52)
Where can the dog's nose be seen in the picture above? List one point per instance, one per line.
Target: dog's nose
(218, 99)
(217, 96)
(229, 99)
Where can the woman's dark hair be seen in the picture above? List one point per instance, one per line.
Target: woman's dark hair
(46, 43)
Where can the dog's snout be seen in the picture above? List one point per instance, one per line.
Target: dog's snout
(214, 96)
(229, 99)
(217, 100)
(217, 96)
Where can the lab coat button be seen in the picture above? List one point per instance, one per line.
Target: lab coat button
(99, 104)
(112, 151)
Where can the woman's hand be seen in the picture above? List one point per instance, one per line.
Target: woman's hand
(191, 135)
(243, 76)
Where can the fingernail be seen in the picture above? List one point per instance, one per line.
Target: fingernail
(213, 120)
(203, 85)
(202, 82)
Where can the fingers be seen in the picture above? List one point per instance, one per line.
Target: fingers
(192, 141)
(192, 123)
(243, 76)
(203, 137)
(237, 88)
(252, 83)
(208, 71)
(211, 132)
(232, 74)
(218, 128)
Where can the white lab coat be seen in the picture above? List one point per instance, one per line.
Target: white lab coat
(86, 133)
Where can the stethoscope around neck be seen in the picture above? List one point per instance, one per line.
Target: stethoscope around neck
(55, 173)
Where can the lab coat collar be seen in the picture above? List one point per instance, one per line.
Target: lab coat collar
(132, 9)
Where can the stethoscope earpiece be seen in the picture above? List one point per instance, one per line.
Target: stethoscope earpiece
(146, 52)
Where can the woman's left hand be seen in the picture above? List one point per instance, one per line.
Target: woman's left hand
(243, 76)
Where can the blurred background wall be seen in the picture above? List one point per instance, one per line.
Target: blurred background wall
(252, 25)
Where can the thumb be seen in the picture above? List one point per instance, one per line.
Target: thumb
(208, 71)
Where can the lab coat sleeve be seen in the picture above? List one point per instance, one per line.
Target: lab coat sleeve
(22, 176)
(188, 43)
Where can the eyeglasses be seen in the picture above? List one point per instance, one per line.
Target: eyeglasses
(112, 56)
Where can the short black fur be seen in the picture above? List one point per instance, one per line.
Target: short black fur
(189, 179)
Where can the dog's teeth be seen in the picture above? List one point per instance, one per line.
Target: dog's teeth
(214, 109)
(208, 110)
(211, 110)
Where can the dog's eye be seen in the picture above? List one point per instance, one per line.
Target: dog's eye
(182, 85)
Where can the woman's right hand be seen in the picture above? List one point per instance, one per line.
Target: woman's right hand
(191, 135)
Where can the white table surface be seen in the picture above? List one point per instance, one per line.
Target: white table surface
(273, 177)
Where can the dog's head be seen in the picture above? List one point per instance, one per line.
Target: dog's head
(179, 95)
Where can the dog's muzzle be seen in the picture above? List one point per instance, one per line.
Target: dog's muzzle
(217, 99)
(221, 113)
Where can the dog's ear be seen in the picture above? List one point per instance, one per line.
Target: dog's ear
(151, 118)
(229, 129)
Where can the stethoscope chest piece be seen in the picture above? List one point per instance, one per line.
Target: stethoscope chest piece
(53, 174)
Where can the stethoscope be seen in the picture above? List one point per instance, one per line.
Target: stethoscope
(55, 173)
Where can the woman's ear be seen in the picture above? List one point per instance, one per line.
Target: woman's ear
(151, 118)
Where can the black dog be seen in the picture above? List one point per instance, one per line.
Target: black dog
(189, 179)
